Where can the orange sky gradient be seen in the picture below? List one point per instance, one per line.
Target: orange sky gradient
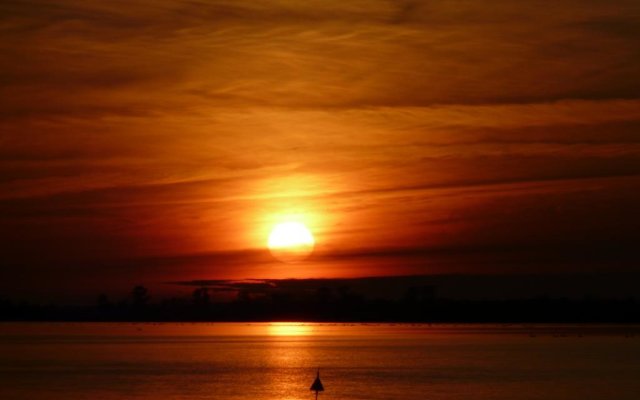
(162, 140)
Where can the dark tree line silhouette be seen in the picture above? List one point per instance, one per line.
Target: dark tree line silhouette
(419, 304)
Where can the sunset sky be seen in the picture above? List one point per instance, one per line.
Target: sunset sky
(159, 141)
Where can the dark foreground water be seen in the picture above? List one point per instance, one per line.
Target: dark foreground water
(278, 361)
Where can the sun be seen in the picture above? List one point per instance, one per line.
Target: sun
(291, 242)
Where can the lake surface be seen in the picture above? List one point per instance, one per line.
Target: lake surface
(278, 361)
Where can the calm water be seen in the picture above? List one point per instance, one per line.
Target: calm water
(278, 361)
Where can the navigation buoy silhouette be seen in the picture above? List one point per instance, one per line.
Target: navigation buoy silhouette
(317, 385)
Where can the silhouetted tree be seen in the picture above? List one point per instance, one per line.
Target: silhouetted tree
(244, 295)
(345, 293)
(201, 297)
(103, 306)
(411, 296)
(103, 301)
(323, 295)
(140, 296)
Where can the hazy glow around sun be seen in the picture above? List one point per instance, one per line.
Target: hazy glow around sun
(291, 241)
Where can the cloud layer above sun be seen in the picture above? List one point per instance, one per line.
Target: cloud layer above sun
(160, 140)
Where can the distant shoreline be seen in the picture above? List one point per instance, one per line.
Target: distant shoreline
(436, 311)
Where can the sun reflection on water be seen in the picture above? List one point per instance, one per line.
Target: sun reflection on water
(289, 329)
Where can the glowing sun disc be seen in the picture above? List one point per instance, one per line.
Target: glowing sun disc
(291, 242)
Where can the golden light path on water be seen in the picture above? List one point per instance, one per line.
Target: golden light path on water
(279, 360)
(289, 329)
